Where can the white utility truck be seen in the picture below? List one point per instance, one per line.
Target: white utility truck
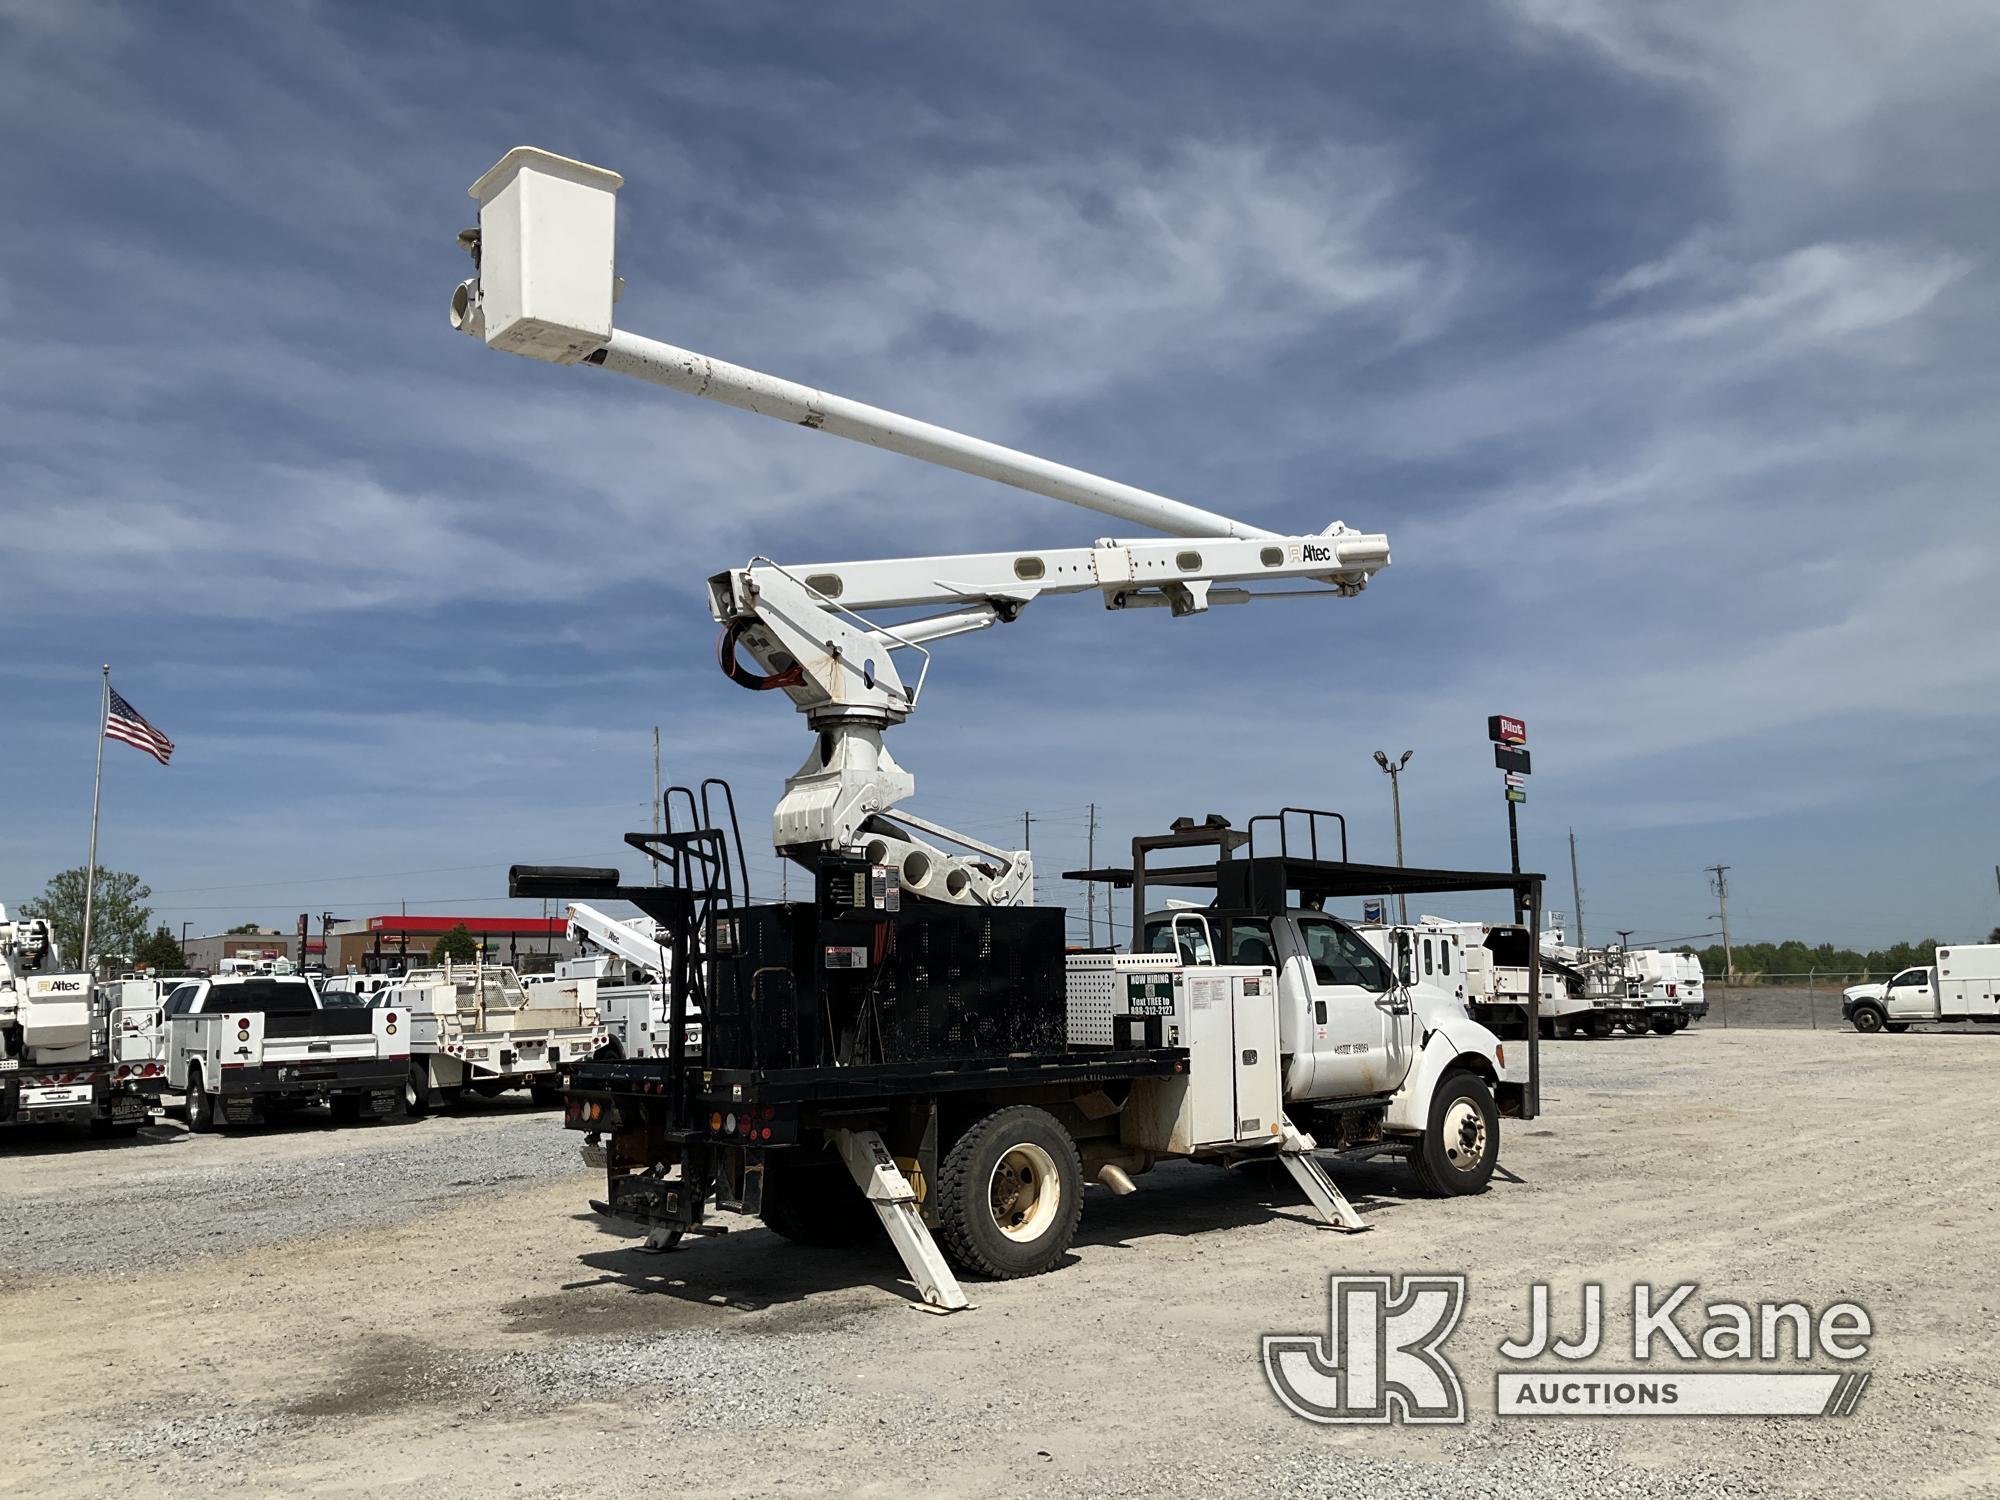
(246, 1048)
(625, 975)
(1963, 985)
(70, 1051)
(1658, 977)
(1497, 968)
(475, 1026)
(913, 1046)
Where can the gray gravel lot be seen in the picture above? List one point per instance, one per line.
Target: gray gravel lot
(169, 1197)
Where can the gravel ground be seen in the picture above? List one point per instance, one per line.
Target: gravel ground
(427, 1305)
(231, 1192)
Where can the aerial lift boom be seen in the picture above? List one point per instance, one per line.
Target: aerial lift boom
(544, 288)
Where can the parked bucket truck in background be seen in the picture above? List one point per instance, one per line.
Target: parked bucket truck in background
(625, 975)
(70, 1053)
(1963, 985)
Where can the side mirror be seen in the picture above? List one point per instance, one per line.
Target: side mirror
(1406, 958)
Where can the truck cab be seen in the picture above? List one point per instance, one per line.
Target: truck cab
(1366, 1041)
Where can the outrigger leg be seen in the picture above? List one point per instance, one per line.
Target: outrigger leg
(883, 1183)
(1295, 1150)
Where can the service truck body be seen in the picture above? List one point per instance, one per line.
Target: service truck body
(1963, 985)
(241, 1049)
(476, 1026)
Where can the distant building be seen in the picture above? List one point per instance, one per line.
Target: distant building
(207, 953)
(377, 945)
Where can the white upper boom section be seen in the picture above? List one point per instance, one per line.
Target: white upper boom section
(545, 289)
(788, 401)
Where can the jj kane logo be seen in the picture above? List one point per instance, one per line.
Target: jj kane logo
(1382, 1357)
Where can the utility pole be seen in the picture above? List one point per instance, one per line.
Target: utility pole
(1721, 884)
(1395, 770)
(1027, 818)
(1575, 889)
(1090, 890)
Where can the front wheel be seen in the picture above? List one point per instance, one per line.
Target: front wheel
(1462, 1146)
(1598, 1026)
(1869, 1019)
(1010, 1193)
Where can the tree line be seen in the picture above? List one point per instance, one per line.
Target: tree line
(1794, 957)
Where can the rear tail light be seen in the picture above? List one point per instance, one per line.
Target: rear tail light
(729, 1124)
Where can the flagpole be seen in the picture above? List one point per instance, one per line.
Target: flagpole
(96, 796)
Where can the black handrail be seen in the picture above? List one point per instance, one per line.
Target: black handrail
(1312, 815)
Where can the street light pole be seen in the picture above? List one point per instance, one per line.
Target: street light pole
(1395, 770)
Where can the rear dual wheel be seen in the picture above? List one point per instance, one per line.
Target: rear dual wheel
(200, 1107)
(1010, 1194)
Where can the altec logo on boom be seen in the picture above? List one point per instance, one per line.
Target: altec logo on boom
(1382, 1358)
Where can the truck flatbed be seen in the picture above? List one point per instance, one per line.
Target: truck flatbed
(882, 1081)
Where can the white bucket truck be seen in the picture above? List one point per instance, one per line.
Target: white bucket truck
(70, 1052)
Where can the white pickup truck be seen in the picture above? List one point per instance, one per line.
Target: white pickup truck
(246, 1048)
(476, 1026)
(1963, 985)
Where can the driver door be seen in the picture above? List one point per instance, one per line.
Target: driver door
(1351, 1013)
(1909, 996)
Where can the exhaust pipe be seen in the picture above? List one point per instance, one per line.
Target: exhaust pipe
(1113, 1177)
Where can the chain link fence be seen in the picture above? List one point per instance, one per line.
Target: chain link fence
(1809, 1001)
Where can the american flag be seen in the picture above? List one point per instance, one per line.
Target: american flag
(124, 722)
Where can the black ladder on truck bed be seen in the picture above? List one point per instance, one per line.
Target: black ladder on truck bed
(703, 878)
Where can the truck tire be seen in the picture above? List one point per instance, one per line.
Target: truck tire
(1462, 1146)
(1664, 1026)
(1869, 1018)
(1896, 1026)
(1009, 1194)
(813, 1201)
(417, 1089)
(1599, 1026)
(200, 1107)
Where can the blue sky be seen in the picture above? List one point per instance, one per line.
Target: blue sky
(1658, 340)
